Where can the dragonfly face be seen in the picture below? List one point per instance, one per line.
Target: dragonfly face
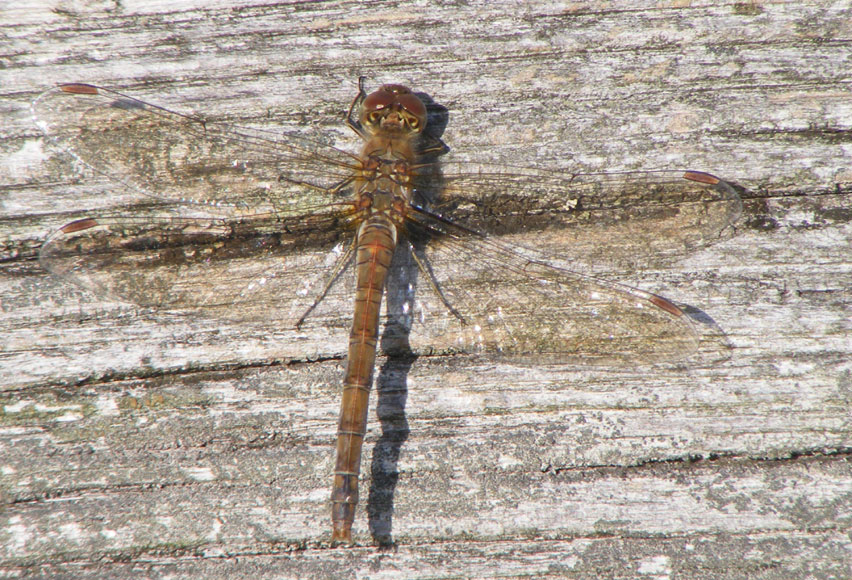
(392, 109)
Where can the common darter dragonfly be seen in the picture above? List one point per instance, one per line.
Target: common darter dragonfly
(271, 225)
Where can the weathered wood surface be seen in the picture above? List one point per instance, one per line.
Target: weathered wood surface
(129, 449)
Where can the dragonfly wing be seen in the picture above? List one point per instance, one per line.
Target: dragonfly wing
(619, 219)
(184, 158)
(481, 296)
(253, 272)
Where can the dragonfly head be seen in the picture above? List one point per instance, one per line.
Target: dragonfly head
(393, 108)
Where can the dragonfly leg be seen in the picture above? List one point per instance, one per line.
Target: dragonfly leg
(352, 116)
(430, 277)
(431, 146)
(339, 266)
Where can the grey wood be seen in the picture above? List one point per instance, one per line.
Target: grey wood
(137, 443)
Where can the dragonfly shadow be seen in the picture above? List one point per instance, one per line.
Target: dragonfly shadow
(714, 344)
(438, 116)
(392, 395)
(392, 391)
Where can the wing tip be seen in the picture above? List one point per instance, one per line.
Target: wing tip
(701, 177)
(79, 88)
(78, 225)
(664, 304)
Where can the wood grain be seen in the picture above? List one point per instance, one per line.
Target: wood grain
(129, 448)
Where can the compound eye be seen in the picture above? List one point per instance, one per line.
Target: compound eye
(378, 100)
(415, 108)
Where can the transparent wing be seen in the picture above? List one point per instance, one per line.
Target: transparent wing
(625, 220)
(178, 157)
(507, 303)
(148, 149)
(513, 302)
(257, 271)
(286, 243)
(480, 296)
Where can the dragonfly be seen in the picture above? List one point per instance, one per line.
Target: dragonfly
(258, 224)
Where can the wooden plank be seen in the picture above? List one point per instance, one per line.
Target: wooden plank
(135, 440)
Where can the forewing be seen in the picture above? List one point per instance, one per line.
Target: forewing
(626, 220)
(180, 157)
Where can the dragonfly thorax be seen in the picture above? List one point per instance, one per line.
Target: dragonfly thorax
(386, 188)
